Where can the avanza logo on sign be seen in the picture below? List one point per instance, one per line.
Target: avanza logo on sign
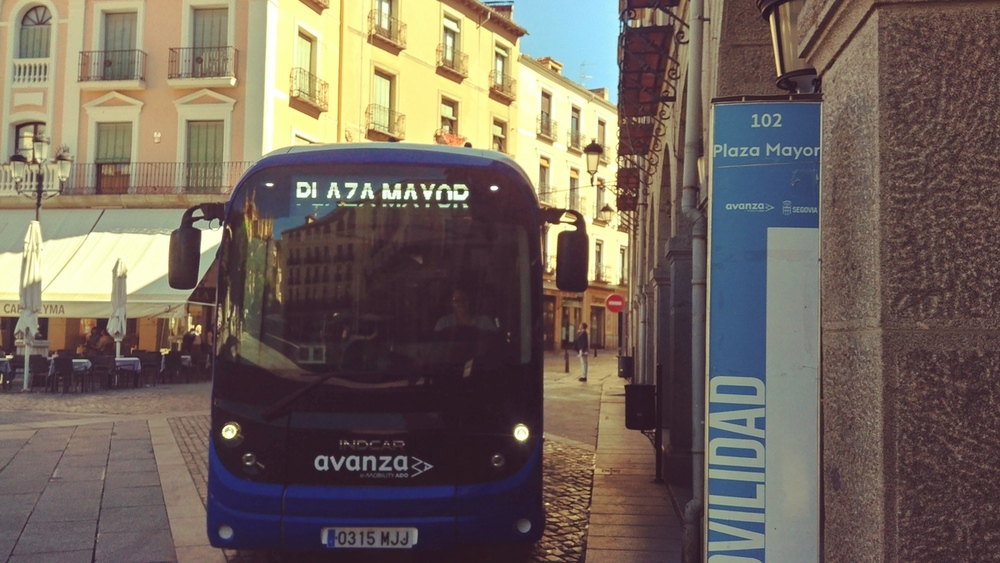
(373, 466)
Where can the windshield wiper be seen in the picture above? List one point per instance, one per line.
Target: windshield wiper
(280, 407)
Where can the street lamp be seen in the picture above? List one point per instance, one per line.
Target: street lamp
(794, 73)
(38, 163)
(594, 153)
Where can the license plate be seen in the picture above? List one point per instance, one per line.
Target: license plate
(374, 538)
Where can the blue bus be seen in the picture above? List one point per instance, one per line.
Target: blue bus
(377, 372)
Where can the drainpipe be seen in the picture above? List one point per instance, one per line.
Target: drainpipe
(699, 260)
(640, 286)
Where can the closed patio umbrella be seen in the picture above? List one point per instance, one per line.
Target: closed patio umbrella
(119, 297)
(30, 294)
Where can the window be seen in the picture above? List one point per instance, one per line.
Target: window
(210, 54)
(205, 150)
(599, 261)
(305, 53)
(499, 136)
(601, 129)
(120, 57)
(574, 128)
(382, 100)
(500, 65)
(599, 205)
(574, 189)
(112, 157)
(622, 265)
(543, 179)
(545, 124)
(450, 41)
(546, 109)
(383, 18)
(449, 116)
(25, 138)
(36, 32)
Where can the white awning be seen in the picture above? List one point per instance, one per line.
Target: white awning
(79, 250)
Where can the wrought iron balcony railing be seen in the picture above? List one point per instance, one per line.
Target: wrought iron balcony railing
(386, 28)
(547, 127)
(453, 60)
(545, 193)
(573, 141)
(502, 85)
(129, 64)
(309, 88)
(140, 178)
(202, 62)
(384, 121)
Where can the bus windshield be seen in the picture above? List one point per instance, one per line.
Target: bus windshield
(374, 280)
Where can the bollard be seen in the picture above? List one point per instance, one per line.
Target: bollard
(566, 353)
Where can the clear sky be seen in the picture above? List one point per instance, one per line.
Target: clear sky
(581, 34)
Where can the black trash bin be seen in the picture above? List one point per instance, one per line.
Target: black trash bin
(640, 407)
(625, 367)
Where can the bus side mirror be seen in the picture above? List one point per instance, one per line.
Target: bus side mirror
(572, 257)
(185, 257)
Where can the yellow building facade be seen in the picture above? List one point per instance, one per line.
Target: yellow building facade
(163, 105)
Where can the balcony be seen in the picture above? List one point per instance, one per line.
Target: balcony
(112, 70)
(384, 123)
(30, 72)
(545, 193)
(574, 141)
(202, 67)
(546, 128)
(502, 86)
(452, 62)
(308, 90)
(386, 31)
(139, 178)
(318, 5)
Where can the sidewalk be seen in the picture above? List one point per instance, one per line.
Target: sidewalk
(632, 517)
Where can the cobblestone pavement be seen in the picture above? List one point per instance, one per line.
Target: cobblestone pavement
(568, 465)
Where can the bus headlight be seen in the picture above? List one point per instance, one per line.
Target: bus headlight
(498, 461)
(521, 433)
(231, 434)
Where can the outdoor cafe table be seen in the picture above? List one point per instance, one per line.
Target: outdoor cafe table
(131, 364)
(81, 366)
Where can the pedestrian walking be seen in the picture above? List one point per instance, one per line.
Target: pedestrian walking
(582, 349)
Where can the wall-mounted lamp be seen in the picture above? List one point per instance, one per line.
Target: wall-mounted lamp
(794, 73)
(606, 214)
(156, 136)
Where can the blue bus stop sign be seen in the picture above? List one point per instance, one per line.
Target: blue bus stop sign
(762, 443)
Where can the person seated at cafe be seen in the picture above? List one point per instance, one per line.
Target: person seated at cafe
(106, 345)
(93, 343)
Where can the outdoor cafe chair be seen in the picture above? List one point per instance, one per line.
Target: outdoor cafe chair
(62, 371)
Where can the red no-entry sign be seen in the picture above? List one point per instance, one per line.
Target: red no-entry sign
(615, 303)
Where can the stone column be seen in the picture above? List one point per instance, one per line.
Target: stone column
(910, 224)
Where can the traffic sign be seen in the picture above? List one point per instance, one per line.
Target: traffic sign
(615, 303)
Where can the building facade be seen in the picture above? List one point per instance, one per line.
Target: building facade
(909, 360)
(163, 105)
(557, 119)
